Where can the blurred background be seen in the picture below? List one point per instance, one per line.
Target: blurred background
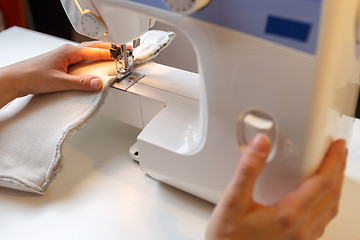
(40, 15)
(49, 17)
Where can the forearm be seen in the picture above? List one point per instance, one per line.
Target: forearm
(8, 90)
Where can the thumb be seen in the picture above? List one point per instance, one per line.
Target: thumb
(83, 82)
(251, 163)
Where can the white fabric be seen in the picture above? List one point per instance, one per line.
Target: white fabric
(151, 43)
(33, 129)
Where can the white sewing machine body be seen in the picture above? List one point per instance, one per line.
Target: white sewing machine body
(299, 88)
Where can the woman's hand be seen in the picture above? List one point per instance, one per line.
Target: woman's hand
(303, 214)
(48, 72)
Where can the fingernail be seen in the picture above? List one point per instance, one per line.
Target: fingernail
(95, 83)
(260, 144)
(343, 142)
(343, 145)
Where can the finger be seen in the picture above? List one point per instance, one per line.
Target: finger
(333, 196)
(320, 226)
(324, 210)
(94, 54)
(90, 54)
(330, 202)
(84, 82)
(100, 44)
(325, 205)
(313, 189)
(96, 44)
(328, 217)
(250, 166)
(334, 158)
(317, 233)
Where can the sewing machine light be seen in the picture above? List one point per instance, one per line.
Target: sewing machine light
(186, 6)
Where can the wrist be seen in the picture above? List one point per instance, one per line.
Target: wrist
(8, 86)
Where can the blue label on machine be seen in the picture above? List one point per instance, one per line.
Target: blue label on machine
(293, 23)
(288, 28)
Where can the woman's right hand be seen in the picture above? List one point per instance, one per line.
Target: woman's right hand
(303, 214)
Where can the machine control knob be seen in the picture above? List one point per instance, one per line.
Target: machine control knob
(92, 24)
(255, 121)
(186, 6)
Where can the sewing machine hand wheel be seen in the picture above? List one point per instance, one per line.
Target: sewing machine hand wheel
(92, 24)
(186, 6)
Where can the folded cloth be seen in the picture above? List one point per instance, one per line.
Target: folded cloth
(151, 43)
(33, 129)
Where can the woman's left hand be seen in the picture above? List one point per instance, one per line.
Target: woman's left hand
(48, 72)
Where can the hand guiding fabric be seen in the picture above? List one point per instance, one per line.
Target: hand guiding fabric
(48, 72)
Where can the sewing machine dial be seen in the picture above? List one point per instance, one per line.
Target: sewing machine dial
(186, 6)
(92, 24)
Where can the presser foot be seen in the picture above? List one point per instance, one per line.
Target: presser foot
(126, 80)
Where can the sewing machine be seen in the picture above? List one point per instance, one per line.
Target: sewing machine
(289, 69)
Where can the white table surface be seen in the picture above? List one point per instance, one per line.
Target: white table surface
(103, 194)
